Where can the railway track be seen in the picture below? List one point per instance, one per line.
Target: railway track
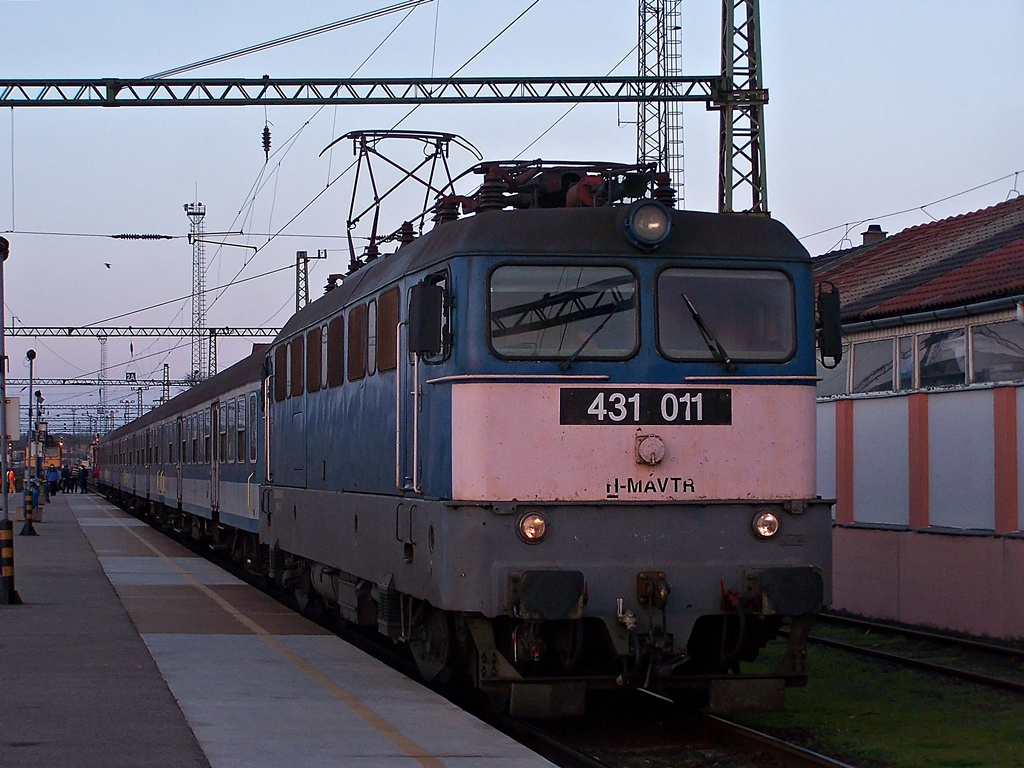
(926, 643)
(747, 748)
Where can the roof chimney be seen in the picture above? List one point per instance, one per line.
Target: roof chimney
(873, 234)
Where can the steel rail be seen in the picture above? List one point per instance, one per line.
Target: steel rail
(925, 666)
(921, 634)
(791, 755)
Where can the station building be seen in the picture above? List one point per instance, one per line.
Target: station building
(920, 433)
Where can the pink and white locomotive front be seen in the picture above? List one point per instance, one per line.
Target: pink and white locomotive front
(641, 433)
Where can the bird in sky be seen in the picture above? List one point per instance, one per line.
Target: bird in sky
(106, 264)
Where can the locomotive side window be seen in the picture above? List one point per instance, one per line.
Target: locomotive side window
(280, 373)
(563, 313)
(750, 313)
(387, 322)
(371, 337)
(357, 343)
(313, 360)
(296, 372)
(336, 352)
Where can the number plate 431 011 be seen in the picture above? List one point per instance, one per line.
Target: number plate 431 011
(645, 406)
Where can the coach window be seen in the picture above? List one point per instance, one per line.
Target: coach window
(357, 343)
(563, 313)
(751, 313)
(222, 429)
(336, 352)
(295, 372)
(232, 428)
(313, 361)
(204, 444)
(194, 432)
(252, 428)
(280, 373)
(387, 323)
(371, 337)
(183, 439)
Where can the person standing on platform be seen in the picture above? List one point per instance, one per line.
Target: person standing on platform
(83, 478)
(11, 479)
(52, 478)
(74, 479)
(65, 479)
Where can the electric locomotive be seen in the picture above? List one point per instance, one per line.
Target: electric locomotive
(563, 441)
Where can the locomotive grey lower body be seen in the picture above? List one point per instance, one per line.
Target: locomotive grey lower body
(662, 596)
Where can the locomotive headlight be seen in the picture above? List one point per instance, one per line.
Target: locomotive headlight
(648, 225)
(765, 524)
(532, 527)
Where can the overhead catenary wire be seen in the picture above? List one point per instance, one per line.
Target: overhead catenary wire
(409, 4)
(849, 225)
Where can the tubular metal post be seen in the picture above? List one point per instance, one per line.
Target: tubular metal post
(28, 529)
(8, 594)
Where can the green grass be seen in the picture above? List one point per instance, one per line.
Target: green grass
(872, 713)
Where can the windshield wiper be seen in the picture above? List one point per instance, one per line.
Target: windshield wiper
(717, 350)
(566, 364)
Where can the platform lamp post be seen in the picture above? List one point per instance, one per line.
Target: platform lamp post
(8, 594)
(28, 529)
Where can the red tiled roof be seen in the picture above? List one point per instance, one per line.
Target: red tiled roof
(960, 260)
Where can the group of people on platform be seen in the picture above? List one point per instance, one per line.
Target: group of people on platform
(68, 479)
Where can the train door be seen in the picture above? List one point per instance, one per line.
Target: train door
(215, 450)
(148, 461)
(423, 344)
(179, 450)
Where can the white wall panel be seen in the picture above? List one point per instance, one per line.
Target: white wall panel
(881, 484)
(961, 489)
(827, 450)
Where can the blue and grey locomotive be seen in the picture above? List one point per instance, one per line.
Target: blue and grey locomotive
(564, 440)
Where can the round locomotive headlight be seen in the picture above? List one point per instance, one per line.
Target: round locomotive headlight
(532, 527)
(765, 524)
(648, 225)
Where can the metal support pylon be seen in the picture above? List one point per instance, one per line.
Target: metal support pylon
(196, 213)
(741, 103)
(660, 123)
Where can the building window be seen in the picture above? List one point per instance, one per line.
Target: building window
(872, 366)
(942, 358)
(905, 359)
(833, 380)
(997, 350)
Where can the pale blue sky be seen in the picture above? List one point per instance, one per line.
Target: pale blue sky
(875, 107)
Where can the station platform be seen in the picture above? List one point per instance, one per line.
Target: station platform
(129, 650)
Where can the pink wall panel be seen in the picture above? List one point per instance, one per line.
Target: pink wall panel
(960, 583)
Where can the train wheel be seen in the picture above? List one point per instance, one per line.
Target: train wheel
(431, 644)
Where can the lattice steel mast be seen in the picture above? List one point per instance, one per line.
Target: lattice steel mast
(196, 213)
(741, 146)
(660, 123)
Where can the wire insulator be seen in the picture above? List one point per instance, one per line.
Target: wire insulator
(266, 141)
